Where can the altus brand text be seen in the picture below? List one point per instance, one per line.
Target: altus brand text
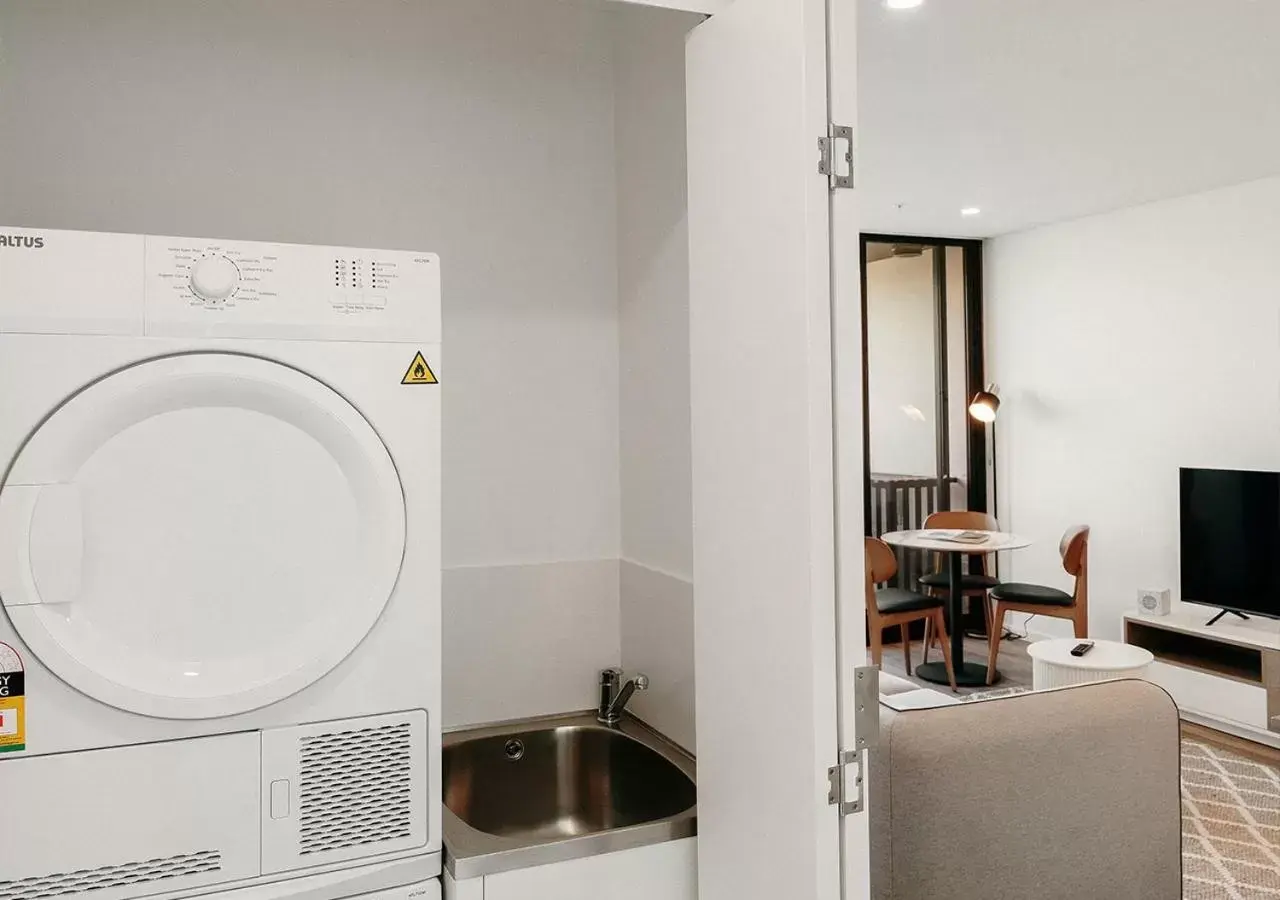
(21, 240)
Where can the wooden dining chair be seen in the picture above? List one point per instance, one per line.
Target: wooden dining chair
(889, 606)
(1041, 600)
(974, 585)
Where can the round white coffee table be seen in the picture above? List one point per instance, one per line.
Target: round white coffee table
(1054, 666)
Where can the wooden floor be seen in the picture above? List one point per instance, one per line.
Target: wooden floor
(1014, 665)
(1260, 752)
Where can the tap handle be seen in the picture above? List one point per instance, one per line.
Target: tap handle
(642, 682)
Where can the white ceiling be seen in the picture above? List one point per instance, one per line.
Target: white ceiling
(1044, 110)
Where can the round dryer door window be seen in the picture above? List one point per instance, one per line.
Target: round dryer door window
(199, 535)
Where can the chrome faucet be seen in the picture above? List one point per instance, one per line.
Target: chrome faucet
(613, 699)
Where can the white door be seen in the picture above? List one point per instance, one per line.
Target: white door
(846, 343)
(199, 535)
(773, 314)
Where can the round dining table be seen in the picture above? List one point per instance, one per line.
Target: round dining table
(941, 540)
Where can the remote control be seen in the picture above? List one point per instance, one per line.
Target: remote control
(1082, 648)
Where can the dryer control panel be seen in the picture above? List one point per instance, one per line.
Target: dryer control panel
(222, 288)
(84, 282)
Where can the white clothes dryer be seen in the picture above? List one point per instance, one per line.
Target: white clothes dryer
(219, 563)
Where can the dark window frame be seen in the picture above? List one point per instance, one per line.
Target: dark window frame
(975, 360)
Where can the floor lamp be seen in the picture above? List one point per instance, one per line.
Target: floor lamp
(983, 407)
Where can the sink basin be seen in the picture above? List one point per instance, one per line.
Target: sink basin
(561, 782)
(537, 791)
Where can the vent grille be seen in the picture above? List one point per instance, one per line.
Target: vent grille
(85, 881)
(354, 788)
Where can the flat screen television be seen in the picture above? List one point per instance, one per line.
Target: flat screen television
(1230, 540)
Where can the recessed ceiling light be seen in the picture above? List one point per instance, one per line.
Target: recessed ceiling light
(903, 4)
(970, 211)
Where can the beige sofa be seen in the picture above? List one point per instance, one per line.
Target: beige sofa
(1067, 794)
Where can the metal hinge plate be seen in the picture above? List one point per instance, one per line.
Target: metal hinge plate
(838, 175)
(841, 777)
(866, 707)
(849, 772)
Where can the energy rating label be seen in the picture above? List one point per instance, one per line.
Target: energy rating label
(12, 711)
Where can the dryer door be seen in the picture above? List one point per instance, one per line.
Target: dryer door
(199, 535)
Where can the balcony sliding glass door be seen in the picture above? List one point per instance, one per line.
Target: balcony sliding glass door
(922, 311)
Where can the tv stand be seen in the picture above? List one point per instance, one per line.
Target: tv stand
(1223, 613)
(1226, 677)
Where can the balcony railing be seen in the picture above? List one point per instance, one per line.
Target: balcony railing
(902, 503)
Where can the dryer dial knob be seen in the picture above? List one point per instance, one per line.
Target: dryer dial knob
(214, 278)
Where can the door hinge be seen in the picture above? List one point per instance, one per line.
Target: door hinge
(840, 778)
(832, 162)
(849, 772)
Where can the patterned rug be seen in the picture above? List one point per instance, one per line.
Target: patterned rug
(1230, 821)
(1230, 826)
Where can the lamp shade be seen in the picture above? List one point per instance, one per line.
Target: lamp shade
(985, 404)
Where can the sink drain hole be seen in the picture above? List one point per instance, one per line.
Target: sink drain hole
(513, 749)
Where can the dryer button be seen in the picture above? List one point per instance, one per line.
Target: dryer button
(280, 799)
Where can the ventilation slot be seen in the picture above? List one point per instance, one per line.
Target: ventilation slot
(88, 880)
(354, 788)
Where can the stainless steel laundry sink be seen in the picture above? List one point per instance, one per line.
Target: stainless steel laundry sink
(543, 790)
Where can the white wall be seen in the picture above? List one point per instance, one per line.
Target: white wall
(527, 640)
(1128, 345)
(480, 129)
(653, 296)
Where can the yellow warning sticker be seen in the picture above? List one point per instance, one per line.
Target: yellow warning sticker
(419, 372)
(13, 722)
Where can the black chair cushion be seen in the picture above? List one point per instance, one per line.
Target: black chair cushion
(971, 582)
(1031, 593)
(898, 600)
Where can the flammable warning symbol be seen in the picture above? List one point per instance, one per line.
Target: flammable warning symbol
(419, 372)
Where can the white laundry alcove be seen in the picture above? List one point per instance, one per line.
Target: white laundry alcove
(650, 308)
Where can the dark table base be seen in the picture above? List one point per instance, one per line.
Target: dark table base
(967, 674)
